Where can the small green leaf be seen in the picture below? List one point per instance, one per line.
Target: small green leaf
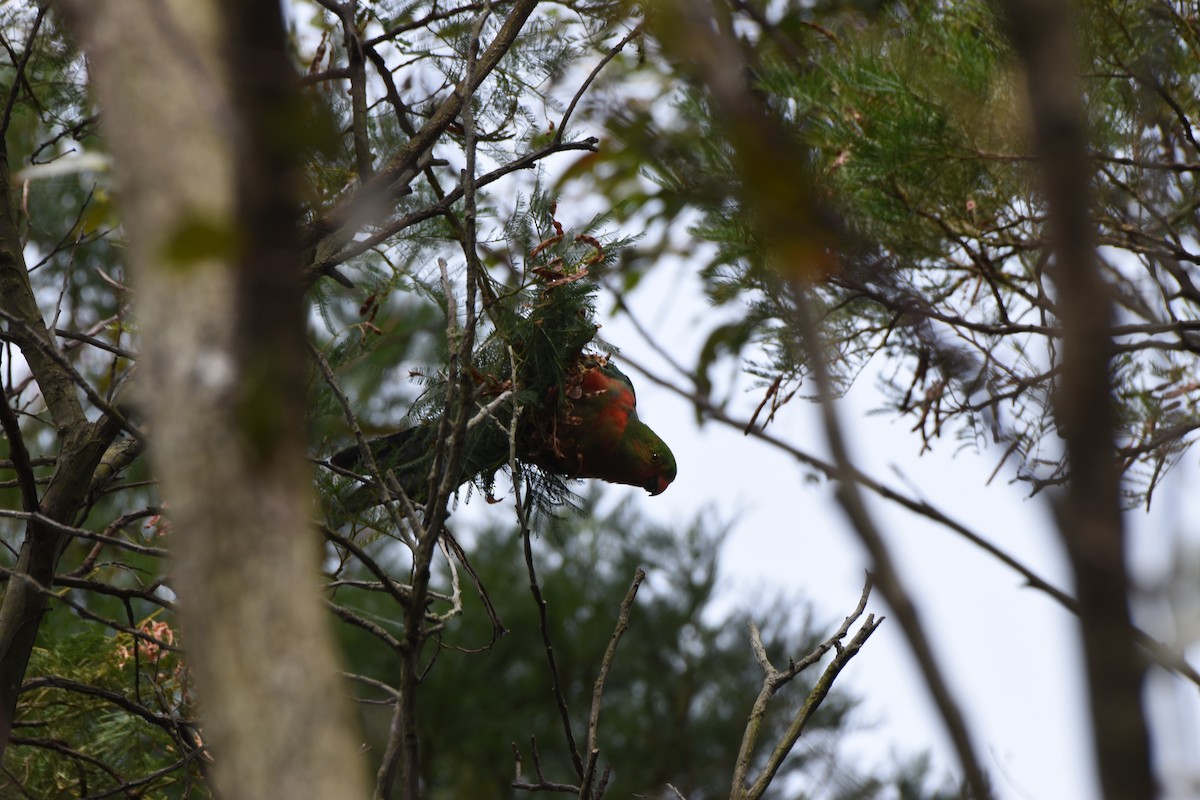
(201, 238)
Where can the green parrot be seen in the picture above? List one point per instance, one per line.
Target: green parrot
(597, 433)
(590, 430)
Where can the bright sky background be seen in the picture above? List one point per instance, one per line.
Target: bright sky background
(1010, 652)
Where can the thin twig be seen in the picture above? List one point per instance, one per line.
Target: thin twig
(811, 703)
(166, 722)
(587, 82)
(398, 591)
(774, 679)
(606, 664)
(20, 455)
(548, 646)
(589, 774)
(368, 458)
(348, 616)
(82, 533)
(542, 784)
(19, 76)
(145, 593)
(94, 342)
(498, 629)
(369, 681)
(455, 587)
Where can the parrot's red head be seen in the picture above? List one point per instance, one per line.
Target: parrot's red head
(599, 435)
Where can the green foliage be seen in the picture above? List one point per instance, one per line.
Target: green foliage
(73, 739)
(911, 116)
(904, 109)
(532, 333)
(679, 691)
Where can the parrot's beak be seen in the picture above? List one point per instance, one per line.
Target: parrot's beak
(657, 485)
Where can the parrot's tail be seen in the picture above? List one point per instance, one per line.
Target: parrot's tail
(403, 454)
(408, 456)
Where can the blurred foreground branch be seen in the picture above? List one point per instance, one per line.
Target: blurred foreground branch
(1090, 521)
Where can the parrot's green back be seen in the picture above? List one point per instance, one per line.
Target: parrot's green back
(589, 430)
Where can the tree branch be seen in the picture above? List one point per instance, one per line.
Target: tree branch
(1089, 515)
(606, 664)
(333, 229)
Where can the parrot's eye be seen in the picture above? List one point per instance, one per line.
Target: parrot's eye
(655, 456)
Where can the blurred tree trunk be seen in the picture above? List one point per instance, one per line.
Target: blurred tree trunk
(197, 104)
(1090, 522)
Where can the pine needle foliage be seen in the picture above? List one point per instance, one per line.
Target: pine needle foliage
(106, 707)
(533, 333)
(912, 118)
(78, 737)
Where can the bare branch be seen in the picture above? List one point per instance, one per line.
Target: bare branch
(775, 679)
(612, 53)
(606, 664)
(20, 456)
(348, 616)
(811, 703)
(542, 784)
(169, 723)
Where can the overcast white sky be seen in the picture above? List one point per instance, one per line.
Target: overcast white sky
(1010, 652)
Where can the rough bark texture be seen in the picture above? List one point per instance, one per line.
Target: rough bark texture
(1089, 514)
(195, 96)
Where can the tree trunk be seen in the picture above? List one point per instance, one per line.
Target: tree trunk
(196, 96)
(82, 444)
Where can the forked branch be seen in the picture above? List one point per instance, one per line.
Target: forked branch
(775, 679)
